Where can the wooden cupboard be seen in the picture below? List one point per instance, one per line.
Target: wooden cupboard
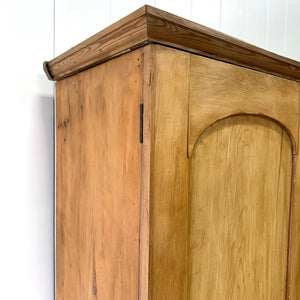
(177, 165)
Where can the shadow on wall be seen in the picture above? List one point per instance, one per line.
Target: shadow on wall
(41, 145)
(27, 189)
(41, 186)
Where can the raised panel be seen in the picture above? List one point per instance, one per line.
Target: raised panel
(240, 181)
(219, 89)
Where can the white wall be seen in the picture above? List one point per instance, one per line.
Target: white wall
(26, 152)
(28, 37)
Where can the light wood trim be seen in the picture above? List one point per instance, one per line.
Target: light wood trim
(218, 90)
(294, 259)
(151, 25)
(147, 158)
(169, 176)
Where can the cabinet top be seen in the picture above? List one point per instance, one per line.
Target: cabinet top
(151, 25)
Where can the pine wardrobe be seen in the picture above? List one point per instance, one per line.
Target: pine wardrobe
(178, 174)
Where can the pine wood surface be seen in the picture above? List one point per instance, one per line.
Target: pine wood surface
(274, 97)
(147, 159)
(98, 181)
(134, 221)
(240, 180)
(151, 25)
(294, 283)
(218, 90)
(169, 176)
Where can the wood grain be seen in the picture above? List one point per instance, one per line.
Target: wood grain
(295, 234)
(240, 180)
(170, 30)
(147, 159)
(121, 37)
(152, 25)
(98, 181)
(169, 185)
(218, 90)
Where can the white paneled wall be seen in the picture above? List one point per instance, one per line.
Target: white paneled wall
(76, 20)
(292, 32)
(32, 31)
(180, 8)
(277, 27)
(256, 13)
(209, 12)
(119, 9)
(271, 24)
(233, 18)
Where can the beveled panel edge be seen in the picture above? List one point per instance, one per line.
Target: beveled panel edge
(277, 100)
(151, 25)
(291, 133)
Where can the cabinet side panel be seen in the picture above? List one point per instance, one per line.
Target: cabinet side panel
(169, 176)
(98, 181)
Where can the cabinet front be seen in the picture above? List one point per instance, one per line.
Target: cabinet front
(243, 133)
(232, 195)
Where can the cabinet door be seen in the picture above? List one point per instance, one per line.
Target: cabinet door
(224, 223)
(243, 134)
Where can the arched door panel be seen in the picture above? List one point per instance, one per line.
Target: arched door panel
(240, 180)
(218, 90)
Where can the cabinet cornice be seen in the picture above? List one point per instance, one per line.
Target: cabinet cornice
(151, 25)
